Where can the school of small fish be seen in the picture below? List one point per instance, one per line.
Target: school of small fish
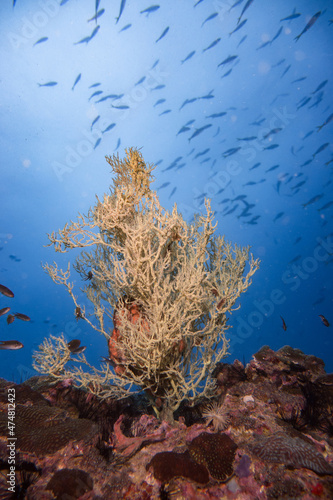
(10, 344)
(206, 116)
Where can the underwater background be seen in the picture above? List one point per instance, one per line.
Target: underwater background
(232, 100)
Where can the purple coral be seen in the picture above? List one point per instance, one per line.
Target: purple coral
(292, 451)
(243, 468)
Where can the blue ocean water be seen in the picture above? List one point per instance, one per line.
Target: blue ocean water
(228, 103)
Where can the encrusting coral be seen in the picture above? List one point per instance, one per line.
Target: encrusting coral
(166, 284)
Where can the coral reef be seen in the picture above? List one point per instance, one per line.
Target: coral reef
(166, 284)
(130, 454)
(291, 451)
(216, 451)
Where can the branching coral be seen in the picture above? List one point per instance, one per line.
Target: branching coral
(166, 284)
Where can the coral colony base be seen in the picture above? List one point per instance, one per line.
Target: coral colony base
(166, 284)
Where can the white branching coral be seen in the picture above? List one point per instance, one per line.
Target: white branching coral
(166, 285)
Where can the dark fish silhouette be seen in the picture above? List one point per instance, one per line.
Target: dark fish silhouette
(78, 78)
(235, 5)
(10, 319)
(230, 152)
(41, 40)
(246, 6)
(48, 84)
(278, 216)
(4, 310)
(164, 185)
(199, 131)
(271, 132)
(313, 200)
(209, 18)
(5, 291)
(328, 120)
(118, 144)
(88, 38)
(191, 54)
(97, 15)
(212, 44)
(247, 139)
(94, 33)
(291, 17)
(22, 317)
(74, 344)
(10, 345)
(324, 320)
(327, 205)
(320, 86)
(286, 70)
(238, 27)
(228, 60)
(159, 101)
(304, 103)
(121, 10)
(98, 92)
(140, 81)
(309, 25)
(202, 153)
(163, 34)
(149, 10)
(95, 121)
(125, 27)
(97, 143)
(321, 149)
(276, 35)
(183, 129)
(284, 326)
(188, 101)
(217, 115)
(110, 127)
(256, 165)
(121, 106)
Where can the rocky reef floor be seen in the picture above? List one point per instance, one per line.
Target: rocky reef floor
(266, 434)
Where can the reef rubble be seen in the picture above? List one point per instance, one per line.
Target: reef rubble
(267, 433)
